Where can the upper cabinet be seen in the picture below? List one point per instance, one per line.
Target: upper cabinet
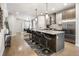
(41, 22)
(69, 14)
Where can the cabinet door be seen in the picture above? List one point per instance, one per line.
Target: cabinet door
(59, 41)
(71, 25)
(52, 42)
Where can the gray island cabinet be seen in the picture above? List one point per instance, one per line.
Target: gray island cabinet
(56, 41)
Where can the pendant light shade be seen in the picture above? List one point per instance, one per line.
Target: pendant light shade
(36, 15)
(36, 19)
(46, 15)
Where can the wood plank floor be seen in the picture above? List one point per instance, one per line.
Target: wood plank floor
(20, 48)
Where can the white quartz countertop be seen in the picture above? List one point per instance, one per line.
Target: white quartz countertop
(49, 31)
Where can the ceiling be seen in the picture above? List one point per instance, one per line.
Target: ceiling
(29, 8)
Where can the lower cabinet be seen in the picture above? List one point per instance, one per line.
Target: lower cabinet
(70, 36)
(54, 42)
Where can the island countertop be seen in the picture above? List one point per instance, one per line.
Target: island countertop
(49, 31)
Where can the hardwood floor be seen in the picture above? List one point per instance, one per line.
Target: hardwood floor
(69, 50)
(21, 48)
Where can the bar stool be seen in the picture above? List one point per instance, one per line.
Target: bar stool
(36, 39)
(46, 39)
(39, 37)
(29, 33)
(33, 36)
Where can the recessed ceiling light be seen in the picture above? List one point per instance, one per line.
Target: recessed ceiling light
(17, 13)
(65, 4)
(53, 8)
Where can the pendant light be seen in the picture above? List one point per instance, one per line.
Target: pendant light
(46, 15)
(36, 15)
(36, 19)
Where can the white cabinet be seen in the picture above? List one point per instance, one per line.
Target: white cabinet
(41, 22)
(1, 43)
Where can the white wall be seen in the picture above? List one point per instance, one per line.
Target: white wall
(25, 18)
(19, 24)
(15, 24)
(5, 14)
(77, 24)
(12, 23)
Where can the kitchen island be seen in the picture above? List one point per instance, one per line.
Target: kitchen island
(52, 39)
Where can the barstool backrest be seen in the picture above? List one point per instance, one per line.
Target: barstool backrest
(7, 26)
